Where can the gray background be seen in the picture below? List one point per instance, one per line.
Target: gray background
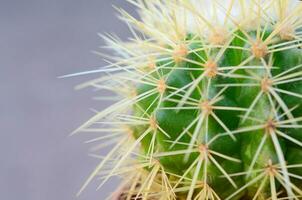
(39, 41)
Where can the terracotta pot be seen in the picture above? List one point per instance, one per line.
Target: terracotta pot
(117, 195)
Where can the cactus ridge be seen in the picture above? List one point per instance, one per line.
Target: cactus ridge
(208, 101)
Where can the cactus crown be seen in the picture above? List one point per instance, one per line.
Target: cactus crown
(210, 101)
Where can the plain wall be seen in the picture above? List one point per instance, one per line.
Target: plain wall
(39, 41)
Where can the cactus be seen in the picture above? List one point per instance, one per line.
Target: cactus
(208, 101)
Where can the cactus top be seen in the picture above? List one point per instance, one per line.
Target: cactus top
(208, 101)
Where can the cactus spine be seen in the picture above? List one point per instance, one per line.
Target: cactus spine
(210, 101)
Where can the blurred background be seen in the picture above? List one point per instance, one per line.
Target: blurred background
(39, 41)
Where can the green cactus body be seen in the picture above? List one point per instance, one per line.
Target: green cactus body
(214, 113)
